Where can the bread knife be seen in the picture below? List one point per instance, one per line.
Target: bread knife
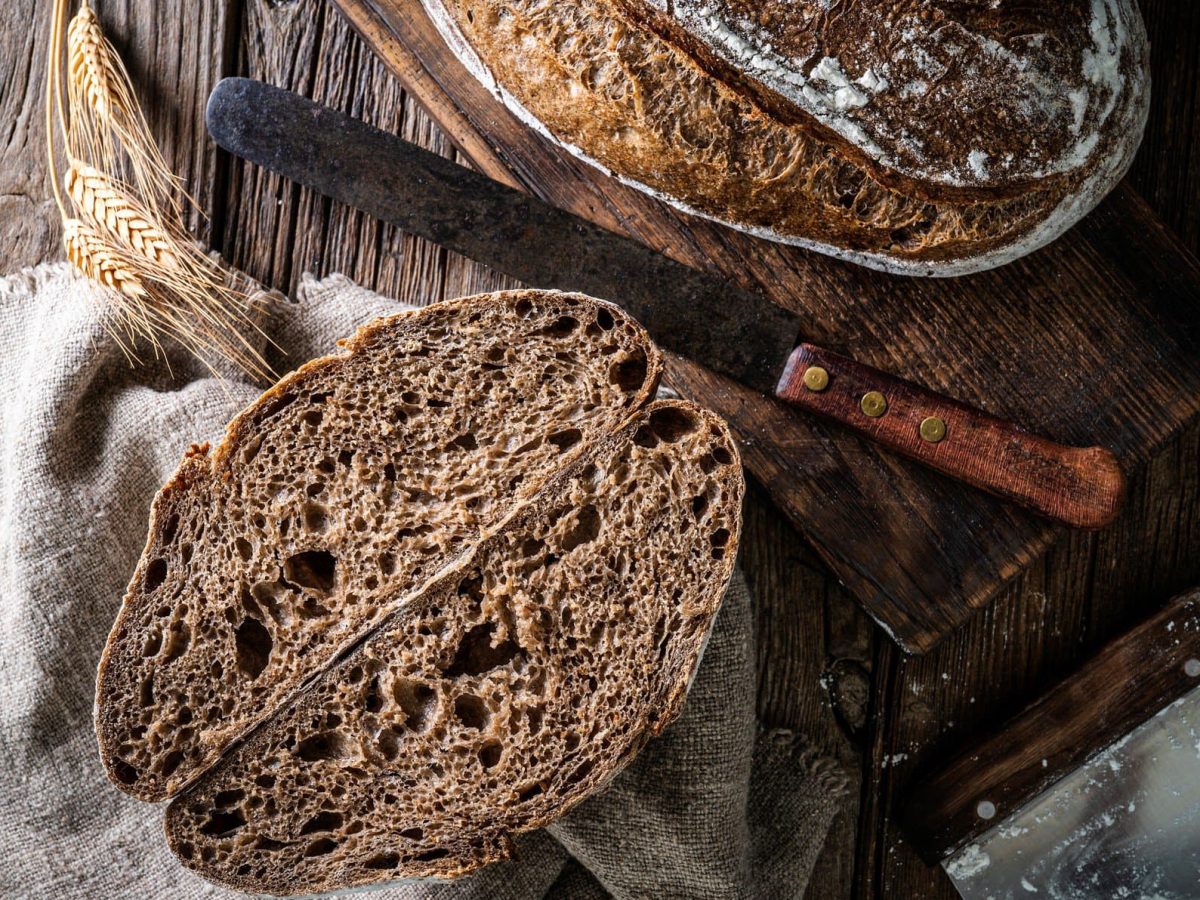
(731, 331)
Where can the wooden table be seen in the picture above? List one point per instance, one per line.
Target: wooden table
(824, 669)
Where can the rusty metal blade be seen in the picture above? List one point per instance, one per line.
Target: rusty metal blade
(728, 330)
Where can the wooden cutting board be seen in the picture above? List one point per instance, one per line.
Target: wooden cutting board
(1093, 340)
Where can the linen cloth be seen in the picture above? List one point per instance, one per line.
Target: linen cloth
(714, 808)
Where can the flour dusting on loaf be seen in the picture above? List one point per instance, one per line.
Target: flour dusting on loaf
(920, 137)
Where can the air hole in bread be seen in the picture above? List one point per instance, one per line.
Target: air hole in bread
(417, 700)
(721, 455)
(316, 518)
(126, 774)
(490, 753)
(153, 644)
(313, 418)
(156, 574)
(250, 451)
(437, 403)
(268, 845)
(604, 319)
(671, 424)
(561, 327)
(146, 691)
(528, 792)
(253, 645)
(321, 847)
(278, 404)
(228, 799)
(178, 638)
(325, 745)
(523, 307)
(221, 823)
(566, 439)
(699, 505)
(313, 569)
(389, 743)
(471, 711)
(645, 437)
(476, 655)
(720, 537)
(372, 701)
(431, 855)
(629, 374)
(465, 441)
(244, 548)
(322, 821)
(383, 861)
(585, 530)
(170, 529)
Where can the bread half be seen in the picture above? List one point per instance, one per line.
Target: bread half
(503, 693)
(336, 498)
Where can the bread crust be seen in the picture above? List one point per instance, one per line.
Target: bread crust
(625, 86)
(201, 471)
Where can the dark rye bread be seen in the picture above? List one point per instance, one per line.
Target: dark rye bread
(919, 136)
(500, 697)
(335, 498)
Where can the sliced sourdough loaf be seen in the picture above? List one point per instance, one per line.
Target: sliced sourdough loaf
(927, 136)
(503, 694)
(335, 499)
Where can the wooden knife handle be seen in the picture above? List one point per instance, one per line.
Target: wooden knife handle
(1082, 487)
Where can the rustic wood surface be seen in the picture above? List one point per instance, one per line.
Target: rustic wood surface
(920, 551)
(824, 668)
(1127, 683)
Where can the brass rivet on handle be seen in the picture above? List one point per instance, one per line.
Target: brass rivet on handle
(816, 379)
(933, 429)
(873, 404)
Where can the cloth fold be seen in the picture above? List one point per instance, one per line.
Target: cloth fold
(714, 808)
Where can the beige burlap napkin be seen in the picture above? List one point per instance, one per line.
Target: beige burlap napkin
(712, 809)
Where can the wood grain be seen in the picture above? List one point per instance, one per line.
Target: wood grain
(1128, 682)
(920, 552)
(1081, 487)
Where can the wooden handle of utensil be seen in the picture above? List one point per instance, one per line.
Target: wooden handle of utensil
(1082, 487)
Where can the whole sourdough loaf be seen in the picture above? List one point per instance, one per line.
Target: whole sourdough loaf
(425, 595)
(503, 694)
(335, 498)
(925, 136)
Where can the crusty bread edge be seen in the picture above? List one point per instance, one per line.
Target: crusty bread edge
(693, 652)
(199, 464)
(1073, 207)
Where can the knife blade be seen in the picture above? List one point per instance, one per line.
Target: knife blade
(731, 331)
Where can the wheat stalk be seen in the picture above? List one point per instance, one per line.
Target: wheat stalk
(124, 226)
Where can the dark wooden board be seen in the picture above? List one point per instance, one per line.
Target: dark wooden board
(1130, 680)
(1091, 341)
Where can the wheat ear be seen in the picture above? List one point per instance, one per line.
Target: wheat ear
(107, 117)
(94, 194)
(93, 256)
(124, 228)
